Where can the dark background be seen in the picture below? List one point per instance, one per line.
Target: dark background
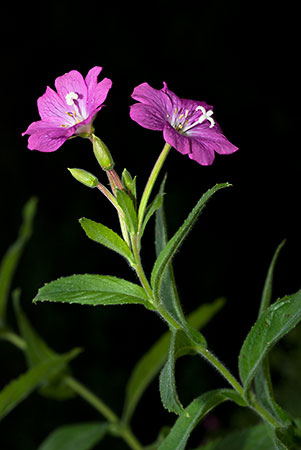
(242, 60)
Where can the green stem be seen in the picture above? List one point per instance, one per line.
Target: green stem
(91, 398)
(150, 184)
(221, 369)
(263, 413)
(139, 269)
(121, 429)
(13, 338)
(110, 197)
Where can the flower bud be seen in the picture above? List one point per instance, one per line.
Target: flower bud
(102, 153)
(129, 183)
(84, 177)
(127, 180)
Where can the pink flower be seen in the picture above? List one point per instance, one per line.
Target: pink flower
(187, 125)
(69, 111)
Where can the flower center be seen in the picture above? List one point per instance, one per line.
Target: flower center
(186, 121)
(76, 115)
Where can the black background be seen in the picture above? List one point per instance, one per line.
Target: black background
(244, 60)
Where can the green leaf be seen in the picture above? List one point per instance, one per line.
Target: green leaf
(18, 389)
(199, 408)
(105, 236)
(153, 360)
(79, 436)
(280, 318)
(13, 255)
(168, 289)
(262, 379)
(180, 345)
(151, 209)
(127, 205)
(267, 289)
(255, 438)
(168, 252)
(93, 290)
(286, 438)
(37, 351)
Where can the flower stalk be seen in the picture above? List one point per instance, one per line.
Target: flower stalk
(150, 184)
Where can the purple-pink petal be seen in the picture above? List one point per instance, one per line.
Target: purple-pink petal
(201, 153)
(187, 125)
(71, 110)
(52, 108)
(147, 95)
(147, 116)
(72, 81)
(176, 140)
(48, 138)
(98, 94)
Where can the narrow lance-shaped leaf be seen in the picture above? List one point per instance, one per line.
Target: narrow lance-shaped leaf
(128, 207)
(93, 290)
(280, 318)
(37, 351)
(253, 438)
(168, 289)
(13, 255)
(180, 345)
(107, 237)
(174, 243)
(268, 285)
(18, 389)
(152, 208)
(78, 436)
(262, 380)
(152, 361)
(196, 411)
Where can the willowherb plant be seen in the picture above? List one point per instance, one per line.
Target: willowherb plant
(189, 127)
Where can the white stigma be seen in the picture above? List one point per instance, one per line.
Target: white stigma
(206, 115)
(70, 97)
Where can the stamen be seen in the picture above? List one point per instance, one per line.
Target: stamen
(70, 97)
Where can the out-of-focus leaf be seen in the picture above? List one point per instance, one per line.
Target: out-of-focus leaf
(13, 255)
(78, 436)
(18, 389)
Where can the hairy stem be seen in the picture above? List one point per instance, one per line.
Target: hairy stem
(150, 183)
